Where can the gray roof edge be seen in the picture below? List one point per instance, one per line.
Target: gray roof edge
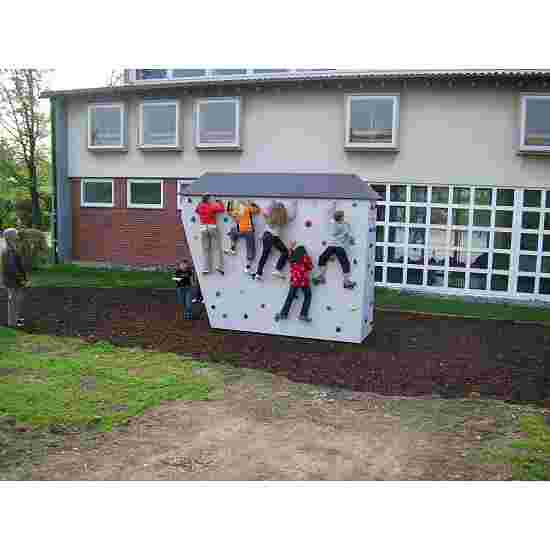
(354, 187)
(298, 77)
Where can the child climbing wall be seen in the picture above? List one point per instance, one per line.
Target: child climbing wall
(339, 242)
(243, 214)
(330, 311)
(276, 217)
(210, 236)
(300, 267)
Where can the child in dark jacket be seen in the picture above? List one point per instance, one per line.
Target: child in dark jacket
(185, 277)
(300, 268)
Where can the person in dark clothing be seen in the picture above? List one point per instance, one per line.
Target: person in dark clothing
(300, 267)
(14, 277)
(185, 277)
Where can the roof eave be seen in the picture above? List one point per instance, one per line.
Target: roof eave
(290, 79)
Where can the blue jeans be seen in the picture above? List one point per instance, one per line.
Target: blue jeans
(185, 297)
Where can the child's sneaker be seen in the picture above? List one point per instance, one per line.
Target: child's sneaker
(230, 251)
(220, 271)
(319, 280)
(257, 277)
(278, 275)
(247, 270)
(20, 323)
(305, 318)
(349, 284)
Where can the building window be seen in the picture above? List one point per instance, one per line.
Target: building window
(145, 194)
(97, 193)
(106, 126)
(535, 123)
(226, 72)
(159, 124)
(372, 121)
(182, 185)
(218, 123)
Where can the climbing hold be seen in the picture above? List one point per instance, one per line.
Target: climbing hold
(245, 316)
(242, 291)
(329, 308)
(354, 308)
(263, 306)
(355, 262)
(324, 243)
(189, 200)
(218, 294)
(193, 219)
(354, 204)
(225, 220)
(224, 315)
(213, 307)
(308, 223)
(338, 329)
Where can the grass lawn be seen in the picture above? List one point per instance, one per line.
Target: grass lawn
(75, 276)
(67, 276)
(46, 380)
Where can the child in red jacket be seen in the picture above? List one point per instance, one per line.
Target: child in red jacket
(210, 237)
(300, 268)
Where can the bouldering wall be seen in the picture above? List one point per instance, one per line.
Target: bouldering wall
(235, 301)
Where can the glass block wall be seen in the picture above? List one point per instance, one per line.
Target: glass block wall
(464, 240)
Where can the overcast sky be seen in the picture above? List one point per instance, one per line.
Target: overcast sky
(397, 34)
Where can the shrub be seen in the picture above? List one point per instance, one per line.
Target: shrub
(8, 216)
(33, 248)
(23, 208)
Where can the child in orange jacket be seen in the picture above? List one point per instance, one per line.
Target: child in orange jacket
(244, 228)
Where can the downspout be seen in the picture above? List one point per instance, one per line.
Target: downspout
(53, 181)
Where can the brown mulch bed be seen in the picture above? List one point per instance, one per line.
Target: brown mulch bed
(405, 355)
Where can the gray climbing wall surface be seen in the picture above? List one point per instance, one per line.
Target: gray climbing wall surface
(235, 301)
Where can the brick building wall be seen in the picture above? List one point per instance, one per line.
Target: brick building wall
(128, 236)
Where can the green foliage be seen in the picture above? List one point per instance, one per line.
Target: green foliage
(33, 247)
(57, 382)
(8, 215)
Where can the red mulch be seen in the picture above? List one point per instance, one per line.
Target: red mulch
(405, 355)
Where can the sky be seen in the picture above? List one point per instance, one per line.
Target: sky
(84, 45)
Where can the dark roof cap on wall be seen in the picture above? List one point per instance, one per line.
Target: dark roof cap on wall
(282, 185)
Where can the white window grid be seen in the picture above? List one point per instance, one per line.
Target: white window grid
(131, 204)
(97, 106)
(484, 277)
(86, 204)
(236, 101)
(141, 132)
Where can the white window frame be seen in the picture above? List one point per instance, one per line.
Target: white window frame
(141, 141)
(85, 204)
(94, 106)
(523, 117)
(237, 104)
(394, 145)
(181, 184)
(130, 204)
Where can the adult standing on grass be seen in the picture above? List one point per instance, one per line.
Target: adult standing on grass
(14, 277)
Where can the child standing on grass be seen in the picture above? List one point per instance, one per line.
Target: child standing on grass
(184, 277)
(300, 268)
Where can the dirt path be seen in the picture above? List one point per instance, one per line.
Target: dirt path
(243, 437)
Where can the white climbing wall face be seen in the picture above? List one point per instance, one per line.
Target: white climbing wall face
(235, 301)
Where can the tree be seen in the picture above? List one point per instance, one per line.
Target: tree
(115, 77)
(25, 129)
